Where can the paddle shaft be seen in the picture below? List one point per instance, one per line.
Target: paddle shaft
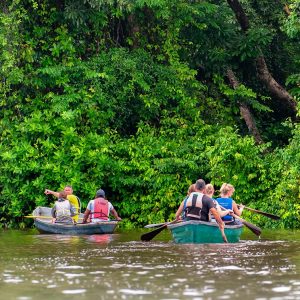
(41, 217)
(159, 224)
(271, 216)
(256, 230)
(223, 235)
(154, 225)
(150, 235)
(218, 219)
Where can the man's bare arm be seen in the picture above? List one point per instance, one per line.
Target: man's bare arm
(217, 217)
(115, 214)
(179, 211)
(86, 215)
(49, 192)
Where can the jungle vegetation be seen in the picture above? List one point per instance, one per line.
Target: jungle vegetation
(143, 97)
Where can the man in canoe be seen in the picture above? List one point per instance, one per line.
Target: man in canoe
(99, 209)
(198, 206)
(63, 210)
(74, 200)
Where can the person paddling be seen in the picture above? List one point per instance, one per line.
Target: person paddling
(99, 209)
(209, 191)
(226, 201)
(182, 207)
(198, 206)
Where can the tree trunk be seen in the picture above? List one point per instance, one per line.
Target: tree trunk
(239, 14)
(245, 110)
(274, 87)
(263, 72)
(133, 30)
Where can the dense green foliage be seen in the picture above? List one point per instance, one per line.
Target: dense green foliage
(133, 97)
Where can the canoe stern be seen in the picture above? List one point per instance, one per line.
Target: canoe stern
(199, 232)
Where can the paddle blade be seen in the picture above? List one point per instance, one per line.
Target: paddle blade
(256, 230)
(150, 235)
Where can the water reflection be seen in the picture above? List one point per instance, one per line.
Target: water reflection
(57, 238)
(100, 238)
(119, 266)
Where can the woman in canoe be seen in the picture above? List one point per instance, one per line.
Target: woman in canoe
(226, 202)
(209, 191)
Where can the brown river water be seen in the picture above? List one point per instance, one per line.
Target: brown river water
(120, 266)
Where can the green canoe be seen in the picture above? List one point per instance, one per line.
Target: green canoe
(199, 232)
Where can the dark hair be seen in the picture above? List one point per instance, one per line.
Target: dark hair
(200, 184)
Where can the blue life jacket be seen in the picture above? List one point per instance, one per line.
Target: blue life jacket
(226, 203)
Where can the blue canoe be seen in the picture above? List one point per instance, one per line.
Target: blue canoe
(42, 221)
(199, 232)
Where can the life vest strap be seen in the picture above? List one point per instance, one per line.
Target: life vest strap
(194, 216)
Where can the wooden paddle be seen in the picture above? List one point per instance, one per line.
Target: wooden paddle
(271, 216)
(42, 217)
(224, 235)
(158, 224)
(256, 230)
(154, 225)
(150, 235)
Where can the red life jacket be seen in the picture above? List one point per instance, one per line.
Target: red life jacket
(100, 209)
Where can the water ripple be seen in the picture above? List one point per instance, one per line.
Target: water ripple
(135, 292)
(89, 268)
(73, 292)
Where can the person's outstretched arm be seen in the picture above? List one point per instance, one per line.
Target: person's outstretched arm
(49, 192)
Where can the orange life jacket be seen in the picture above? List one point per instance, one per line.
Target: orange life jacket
(100, 209)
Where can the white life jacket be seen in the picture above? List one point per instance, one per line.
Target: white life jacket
(63, 211)
(193, 206)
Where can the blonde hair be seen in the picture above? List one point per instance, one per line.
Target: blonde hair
(209, 188)
(226, 188)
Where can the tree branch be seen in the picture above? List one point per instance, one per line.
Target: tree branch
(263, 72)
(245, 110)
